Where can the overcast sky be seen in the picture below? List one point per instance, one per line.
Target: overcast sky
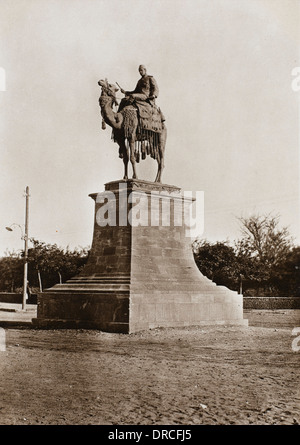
(224, 72)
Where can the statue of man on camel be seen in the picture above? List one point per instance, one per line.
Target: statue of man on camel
(138, 125)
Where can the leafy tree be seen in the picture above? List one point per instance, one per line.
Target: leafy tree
(287, 276)
(73, 262)
(264, 240)
(37, 259)
(11, 272)
(52, 264)
(48, 264)
(217, 262)
(263, 261)
(261, 251)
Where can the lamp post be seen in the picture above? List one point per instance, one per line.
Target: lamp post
(25, 238)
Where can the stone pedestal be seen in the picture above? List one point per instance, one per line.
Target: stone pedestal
(140, 272)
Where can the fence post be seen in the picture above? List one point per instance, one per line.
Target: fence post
(2, 340)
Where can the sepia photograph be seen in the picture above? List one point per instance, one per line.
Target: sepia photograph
(150, 215)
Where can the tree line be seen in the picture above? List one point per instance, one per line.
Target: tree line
(262, 262)
(48, 265)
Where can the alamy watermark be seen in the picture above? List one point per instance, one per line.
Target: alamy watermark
(296, 82)
(2, 79)
(296, 341)
(155, 208)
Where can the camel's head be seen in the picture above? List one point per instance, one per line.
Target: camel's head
(108, 88)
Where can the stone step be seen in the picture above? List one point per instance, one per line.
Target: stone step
(56, 323)
(99, 280)
(83, 287)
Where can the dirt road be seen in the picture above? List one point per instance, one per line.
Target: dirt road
(207, 375)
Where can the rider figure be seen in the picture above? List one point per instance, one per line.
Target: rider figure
(146, 90)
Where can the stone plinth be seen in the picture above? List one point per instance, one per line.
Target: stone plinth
(140, 272)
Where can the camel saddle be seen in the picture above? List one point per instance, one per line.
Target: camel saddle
(149, 116)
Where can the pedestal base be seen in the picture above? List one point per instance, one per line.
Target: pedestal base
(141, 272)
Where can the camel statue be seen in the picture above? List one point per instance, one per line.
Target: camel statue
(135, 140)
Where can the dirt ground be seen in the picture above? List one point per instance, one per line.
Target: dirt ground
(191, 376)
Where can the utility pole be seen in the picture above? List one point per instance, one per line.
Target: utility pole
(25, 249)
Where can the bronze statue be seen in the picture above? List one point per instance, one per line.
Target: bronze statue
(138, 126)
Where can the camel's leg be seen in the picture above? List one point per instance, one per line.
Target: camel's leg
(158, 176)
(161, 160)
(125, 152)
(125, 161)
(159, 170)
(132, 158)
